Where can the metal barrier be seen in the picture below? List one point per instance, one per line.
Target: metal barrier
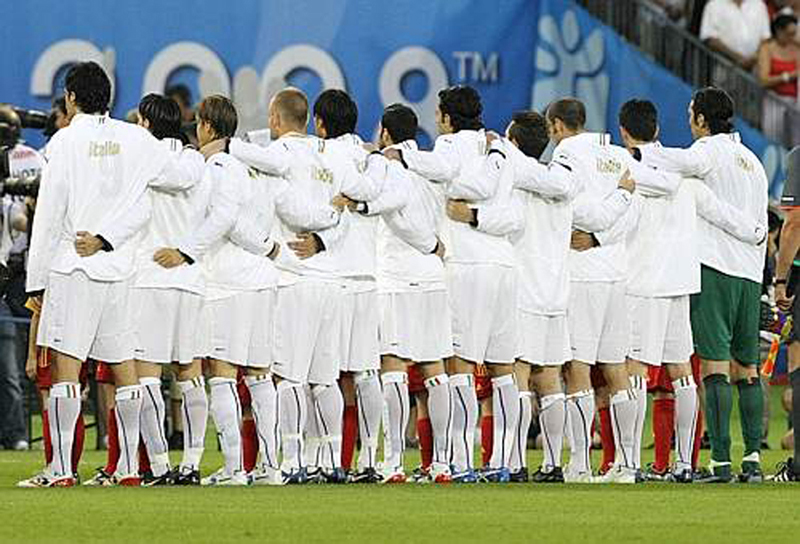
(683, 54)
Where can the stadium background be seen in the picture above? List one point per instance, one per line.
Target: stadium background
(517, 53)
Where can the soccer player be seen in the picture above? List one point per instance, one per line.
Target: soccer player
(308, 327)
(725, 314)
(786, 286)
(481, 276)
(335, 116)
(597, 307)
(239, 307)
(665, 230)
(92, 204)
(168, 301)
(414, 313)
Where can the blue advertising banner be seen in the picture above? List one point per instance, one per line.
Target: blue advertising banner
(517, 53)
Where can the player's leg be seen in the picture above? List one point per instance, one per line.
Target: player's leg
(789, 471)
(127, 409)
(485, 395)
(398, 405)
(581, 411)
(152, 421)
(519, 454)
(350, 420)
(637, 372)
(226, 412)
(194, 415)
(435, 407)
(552, 420)
(663, 431)
(712, 332)
(622, 405)
(686, 412)
(312, 453)
(606, 431)
(328, 405)
(464, 419)
(249, 431)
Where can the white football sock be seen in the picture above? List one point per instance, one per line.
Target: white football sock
(686, 412)
(265, 408)
(505, 407)
(395, 396)
(580, 407)
(64, 407)
(440, 412)
(623, 420)
(465, 418)
(151, 422)
(128, 401)
(292, 417)
(552, 419)
(639, 388)
(519, 453)
(195, 419)
(313, 438)
(227, 413)
(329, 406)
(370, 412)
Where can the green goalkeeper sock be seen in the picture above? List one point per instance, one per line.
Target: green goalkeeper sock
(719, 403)
(751, 411)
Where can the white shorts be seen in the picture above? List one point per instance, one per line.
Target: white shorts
(483, 306)
(599, 326)
(416, 326)
(84, 318)
(359, 320)
(239, 329)
(308, 332)
(544, 339)
(661, 331)
(167, 322)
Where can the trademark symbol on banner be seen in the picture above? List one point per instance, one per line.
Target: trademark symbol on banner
(473, 66)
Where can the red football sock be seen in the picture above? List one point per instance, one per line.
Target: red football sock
(77, 444)
(425, 435)
(349, 435)
(48, 444)
(663, 430)
(113, 443)
(607, 440)
(698, 439)
(249, 444)
(487, 439)
(144, 460)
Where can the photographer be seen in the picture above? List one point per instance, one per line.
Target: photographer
(19, 162)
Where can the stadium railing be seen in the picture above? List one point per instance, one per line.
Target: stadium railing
(683, 54)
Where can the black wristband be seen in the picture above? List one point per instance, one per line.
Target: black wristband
(319, 242)
(228, 146)
(595, 241)
(402, 159)
(435, 248)
(186, 258)
(474, 221)
(106, 244)
(781, 281)
(494, 150)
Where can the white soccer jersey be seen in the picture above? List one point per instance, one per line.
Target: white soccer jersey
(598, 166)
(95, 181)
(178, 207)
(735, 176)
(311, 180)
(412, 211)
(460, 162)
(233, 194)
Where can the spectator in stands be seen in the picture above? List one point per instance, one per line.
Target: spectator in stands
(181, 94)
(778, 58)
(736, 28)
(676, 10)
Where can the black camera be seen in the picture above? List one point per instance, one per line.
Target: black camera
(12, 121)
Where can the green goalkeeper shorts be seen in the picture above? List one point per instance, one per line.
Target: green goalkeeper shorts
(725, 318)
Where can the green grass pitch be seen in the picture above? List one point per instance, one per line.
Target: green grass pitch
(402, 513)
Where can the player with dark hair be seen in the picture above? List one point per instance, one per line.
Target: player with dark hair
(725, 314)
(658, 296)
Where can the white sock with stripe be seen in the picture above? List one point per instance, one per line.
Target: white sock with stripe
(639, 388)
(395, 397)
(195, 419)
(552, 419)
(370, 413)
(686, 414)
(329, 406)
(292, 411)
(152, 425)
(505, 407)
(227, 413)
(312, 450)
(64, 408)
(519, 453)
(265, 408)
(623, 421)
(128, 400)
(580, 407)
(463, 422)
(440, 412)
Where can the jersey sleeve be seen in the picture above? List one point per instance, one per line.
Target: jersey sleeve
(182, 172)
(439, 165)
(394, 193)
(479, 181)
(504, 219)
(593, 215)
(554, 181)
(692, 162)
(727, 217)
(274, 159)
